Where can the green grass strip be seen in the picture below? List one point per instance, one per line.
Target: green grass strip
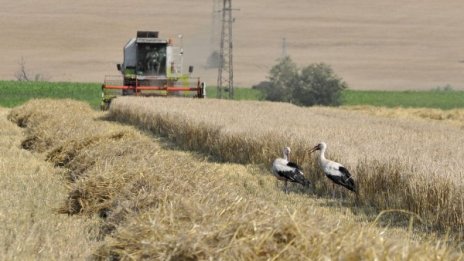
(14, 93)
(407, 99)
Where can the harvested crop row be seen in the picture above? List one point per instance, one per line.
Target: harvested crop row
(31, 190)
(160, 203)
(413, 165)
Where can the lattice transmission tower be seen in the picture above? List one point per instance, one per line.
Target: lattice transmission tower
(225, 81)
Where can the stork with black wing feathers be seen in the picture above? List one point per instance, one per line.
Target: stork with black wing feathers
(335, 171)
(285, 170)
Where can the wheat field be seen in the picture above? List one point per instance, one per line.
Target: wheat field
(453, 116)
(399, 163)
(154, 200)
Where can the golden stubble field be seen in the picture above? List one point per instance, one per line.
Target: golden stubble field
(371, 44)
(31, 190)
(155, 201)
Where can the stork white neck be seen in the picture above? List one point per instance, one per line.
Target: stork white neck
(287, 153)
(322, 158)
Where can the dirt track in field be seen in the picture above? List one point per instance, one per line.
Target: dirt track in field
(371, 44)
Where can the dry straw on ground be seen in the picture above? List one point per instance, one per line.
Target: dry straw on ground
(31, 190)
(161, 203)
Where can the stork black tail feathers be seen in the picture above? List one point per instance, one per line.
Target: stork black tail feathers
(306, 183)
(303, 181)
(347, 180)
(351, 185)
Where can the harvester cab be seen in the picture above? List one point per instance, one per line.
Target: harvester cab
(152, 67)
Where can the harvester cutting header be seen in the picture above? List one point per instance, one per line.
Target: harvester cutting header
(151, 67)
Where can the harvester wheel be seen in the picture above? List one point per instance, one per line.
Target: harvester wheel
(105, 105)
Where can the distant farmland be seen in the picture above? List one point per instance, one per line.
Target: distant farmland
(13, 93)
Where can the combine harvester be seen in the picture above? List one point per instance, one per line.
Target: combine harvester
(151, 67)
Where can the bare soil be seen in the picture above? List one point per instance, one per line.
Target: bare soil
(372, 44)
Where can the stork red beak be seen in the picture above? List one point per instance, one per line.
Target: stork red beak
(314, 149)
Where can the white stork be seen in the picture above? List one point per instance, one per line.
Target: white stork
(334, 170)
(285, 170)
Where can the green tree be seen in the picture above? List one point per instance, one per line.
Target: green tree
(318, 85)
(315, 84)
(283, 76)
